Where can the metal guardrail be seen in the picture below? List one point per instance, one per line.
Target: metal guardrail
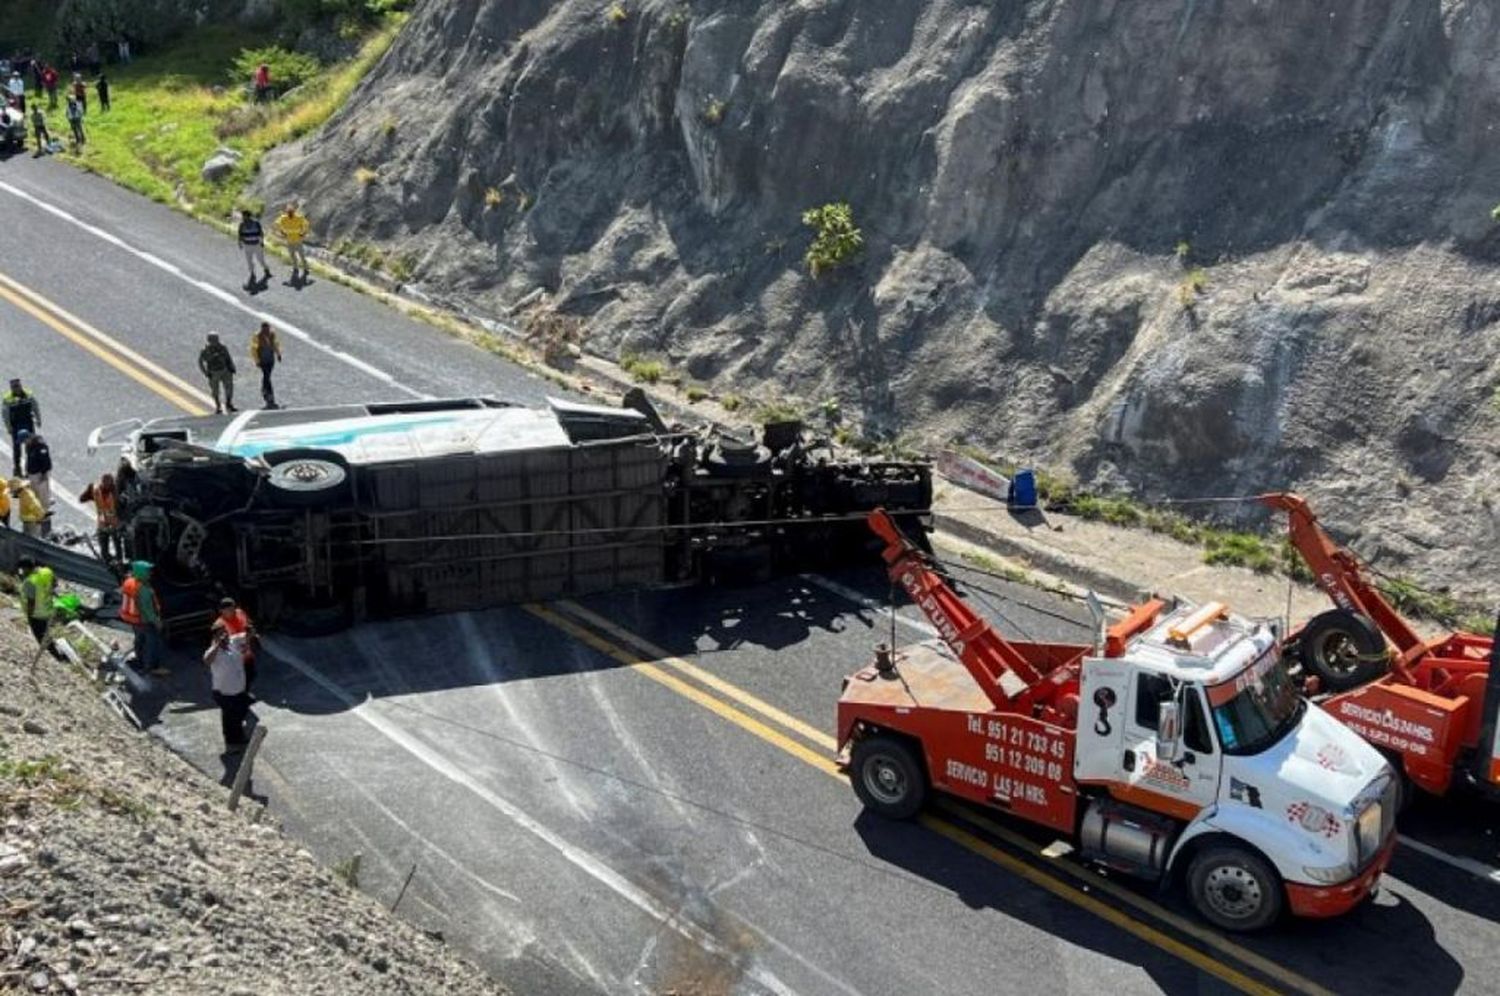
(67, 564)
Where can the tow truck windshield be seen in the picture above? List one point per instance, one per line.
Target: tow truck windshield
(1258, 707)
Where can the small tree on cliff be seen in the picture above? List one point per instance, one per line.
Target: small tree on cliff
(837, 238)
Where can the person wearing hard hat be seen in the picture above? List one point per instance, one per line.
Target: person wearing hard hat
(140, 608)
(38, 585)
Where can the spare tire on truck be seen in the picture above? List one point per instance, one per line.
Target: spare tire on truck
(302, 478)
(1344, 649)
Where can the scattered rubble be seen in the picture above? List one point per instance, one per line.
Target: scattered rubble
(121, 870)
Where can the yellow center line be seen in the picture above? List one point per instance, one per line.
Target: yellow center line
(124, 359)
(697, 695)
(805, 730)
(825, 764)
(1256, 961)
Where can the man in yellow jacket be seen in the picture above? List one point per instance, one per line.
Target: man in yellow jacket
(33, 515)
(292, 227)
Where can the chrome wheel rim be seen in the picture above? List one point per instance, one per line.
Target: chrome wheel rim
(1233, 892)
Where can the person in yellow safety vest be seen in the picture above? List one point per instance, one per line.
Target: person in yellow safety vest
(37, 587)
(33, 515)
(292, 227)
(106, 501)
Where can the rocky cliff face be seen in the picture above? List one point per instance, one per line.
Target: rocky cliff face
(1024, 173)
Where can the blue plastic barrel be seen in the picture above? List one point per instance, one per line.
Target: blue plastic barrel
(1022, 492)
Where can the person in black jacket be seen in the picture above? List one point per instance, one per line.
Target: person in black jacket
(22, 412)
(252, 239)
(39, 472)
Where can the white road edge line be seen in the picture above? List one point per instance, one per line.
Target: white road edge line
(217, 292)
(585, 862)
(1478, 869)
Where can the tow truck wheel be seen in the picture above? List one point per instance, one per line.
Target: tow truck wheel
(1234, 889)
(888, 778)
(1344, 649)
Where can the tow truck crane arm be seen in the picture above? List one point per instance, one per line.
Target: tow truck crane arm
(1338, 573)
(1037, 678)
(983, 653)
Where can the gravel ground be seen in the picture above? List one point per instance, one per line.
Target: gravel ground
(121, 870)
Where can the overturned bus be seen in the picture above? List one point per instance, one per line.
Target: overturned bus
(319, 517)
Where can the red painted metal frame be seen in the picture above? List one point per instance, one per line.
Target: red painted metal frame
(1435, 694)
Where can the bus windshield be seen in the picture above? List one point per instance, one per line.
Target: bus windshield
(1257, 707)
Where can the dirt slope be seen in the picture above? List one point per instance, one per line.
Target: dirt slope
(1024, 174)
(122, 871)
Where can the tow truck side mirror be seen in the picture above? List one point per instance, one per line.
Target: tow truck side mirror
(1169, 733)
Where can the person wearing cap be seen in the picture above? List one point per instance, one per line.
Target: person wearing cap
(225, 660)
(20, 410)
(237, 621)
(217, 365)
(38, 585)
(140, 608)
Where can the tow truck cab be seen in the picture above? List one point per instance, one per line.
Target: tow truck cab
(1199, 721)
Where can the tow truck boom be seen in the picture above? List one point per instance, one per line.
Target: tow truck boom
(1430, 705)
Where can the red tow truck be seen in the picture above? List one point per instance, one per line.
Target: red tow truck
(1178, 749)
(1429, 705)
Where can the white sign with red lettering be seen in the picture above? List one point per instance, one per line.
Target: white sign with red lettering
(972, 474)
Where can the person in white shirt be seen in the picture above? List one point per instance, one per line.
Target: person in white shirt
(225, 660)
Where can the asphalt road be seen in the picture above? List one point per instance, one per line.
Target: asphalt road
(633, 794)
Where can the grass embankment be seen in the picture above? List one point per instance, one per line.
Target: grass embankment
(172, 108)
(1262, 553)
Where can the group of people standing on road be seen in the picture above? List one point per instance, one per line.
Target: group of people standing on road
(292, 226)
(216, 363)
(230, 658)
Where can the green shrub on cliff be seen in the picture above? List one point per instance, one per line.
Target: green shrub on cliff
(838, 239)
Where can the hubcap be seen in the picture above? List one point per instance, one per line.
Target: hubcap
(1340, 653)
(885, 780)
(1233, 892)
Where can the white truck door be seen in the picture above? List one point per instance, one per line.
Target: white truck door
(1179, 788)
(1103, 692)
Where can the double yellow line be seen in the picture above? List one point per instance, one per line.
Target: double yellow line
(187, 397)
(793, 736)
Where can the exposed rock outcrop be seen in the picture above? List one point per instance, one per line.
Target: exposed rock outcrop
(1024, 174)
